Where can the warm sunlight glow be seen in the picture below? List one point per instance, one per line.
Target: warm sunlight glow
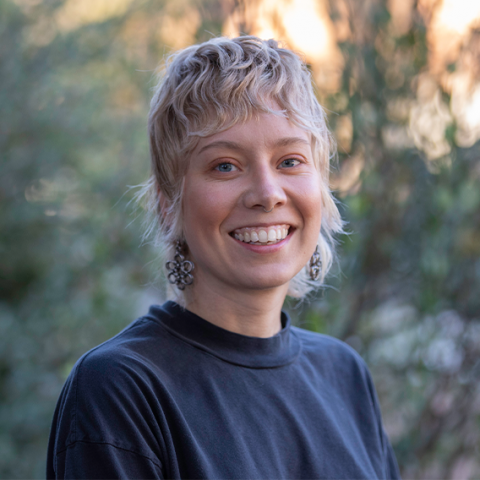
(448, 28)
(75, 13)
(306, 28)
(401, 15)
(304, 25)
(178, 25)
(458, 15)
(449, 37)
(465, 105)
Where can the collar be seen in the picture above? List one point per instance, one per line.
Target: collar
(253, 352)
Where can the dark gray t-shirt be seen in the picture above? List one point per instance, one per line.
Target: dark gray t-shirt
(174, 396)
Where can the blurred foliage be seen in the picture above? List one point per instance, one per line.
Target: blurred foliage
(74, 103)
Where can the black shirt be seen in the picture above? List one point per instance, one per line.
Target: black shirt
(174, 396)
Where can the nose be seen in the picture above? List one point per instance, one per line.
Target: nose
(265, 191)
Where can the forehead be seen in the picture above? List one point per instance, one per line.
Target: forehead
(265, 130)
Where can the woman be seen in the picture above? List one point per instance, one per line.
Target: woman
(218, 384)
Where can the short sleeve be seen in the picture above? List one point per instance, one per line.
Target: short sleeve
(106, 422)
(103, 461)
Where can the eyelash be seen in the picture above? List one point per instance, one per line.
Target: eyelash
(217, 167)
(224, 163)
(290, 160)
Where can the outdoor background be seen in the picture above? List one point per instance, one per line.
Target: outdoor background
(401, 82)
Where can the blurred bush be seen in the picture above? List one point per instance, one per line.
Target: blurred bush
(76, 79)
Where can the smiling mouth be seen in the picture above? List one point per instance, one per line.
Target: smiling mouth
(261, 235)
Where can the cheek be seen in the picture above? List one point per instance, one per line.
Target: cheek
(204, 205)
(311, 201)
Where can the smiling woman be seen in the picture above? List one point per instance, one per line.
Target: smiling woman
(257, 180)
(216, 383)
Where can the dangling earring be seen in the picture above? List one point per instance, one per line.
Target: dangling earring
(315, 265)
(179, 269)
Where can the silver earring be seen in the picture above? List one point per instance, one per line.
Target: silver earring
(179, 269)
(315, 265)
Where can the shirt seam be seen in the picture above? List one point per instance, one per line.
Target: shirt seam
(111, 445)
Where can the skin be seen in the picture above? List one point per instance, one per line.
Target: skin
(232, 177)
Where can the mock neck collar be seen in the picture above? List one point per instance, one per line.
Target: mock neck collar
(254, 352)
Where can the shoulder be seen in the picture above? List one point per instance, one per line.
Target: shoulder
(342, 370)
(139, 352)
(337, 361)
(108, 404)
(127, 368)
(347, 379)
(325, 346)
(112, 392)
(124, 355)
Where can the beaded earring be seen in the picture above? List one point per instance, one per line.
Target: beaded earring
(315, 265)
(179, 269)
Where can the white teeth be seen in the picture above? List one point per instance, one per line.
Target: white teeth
(262, 236)
(268, 235)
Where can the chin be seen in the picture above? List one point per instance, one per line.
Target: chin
(267, 282)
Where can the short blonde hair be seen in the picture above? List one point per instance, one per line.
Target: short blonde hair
(208, 88)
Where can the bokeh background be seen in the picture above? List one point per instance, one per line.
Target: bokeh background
(400, 80)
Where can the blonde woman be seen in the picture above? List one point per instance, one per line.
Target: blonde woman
(216, 383)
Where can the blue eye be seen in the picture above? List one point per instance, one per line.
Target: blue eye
(290, 162)
(225, 167)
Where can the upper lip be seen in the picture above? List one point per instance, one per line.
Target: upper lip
(264, 225)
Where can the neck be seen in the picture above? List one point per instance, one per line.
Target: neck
(254, 313)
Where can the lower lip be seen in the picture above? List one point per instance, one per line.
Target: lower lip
(266, 249)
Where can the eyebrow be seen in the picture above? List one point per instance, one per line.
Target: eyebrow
(221, 144)
(287, 141)
(282, 142)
